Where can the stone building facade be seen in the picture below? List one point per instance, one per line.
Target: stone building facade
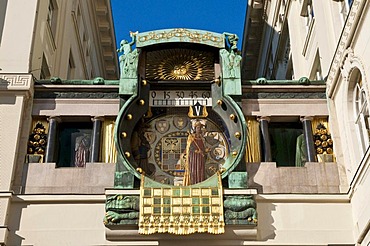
(303, 96)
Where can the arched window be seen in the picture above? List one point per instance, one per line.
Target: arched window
(361, 112)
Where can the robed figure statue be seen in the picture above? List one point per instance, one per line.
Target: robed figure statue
(195, 156)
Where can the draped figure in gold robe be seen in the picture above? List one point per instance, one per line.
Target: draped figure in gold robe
(196, 154)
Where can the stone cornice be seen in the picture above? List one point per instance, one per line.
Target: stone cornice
(344, 42)
(15, 81)
(284, 95)
(302, 81)
(59, 81)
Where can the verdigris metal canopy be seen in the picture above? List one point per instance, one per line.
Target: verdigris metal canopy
(180, 35)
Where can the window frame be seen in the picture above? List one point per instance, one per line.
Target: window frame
(361, 112)
(52, 17)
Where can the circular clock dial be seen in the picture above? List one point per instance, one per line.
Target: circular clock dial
(164, 148)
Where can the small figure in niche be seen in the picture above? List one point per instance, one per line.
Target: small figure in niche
(82, 151)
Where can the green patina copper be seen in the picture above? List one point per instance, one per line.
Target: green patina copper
(121, 209)
(230, 86)
(238, 180)
(180, 35)
(301, 81)
(230, 64)
(96, 81)
(128, 64)
(240, 210)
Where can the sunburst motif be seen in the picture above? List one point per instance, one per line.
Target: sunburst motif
(180, 64)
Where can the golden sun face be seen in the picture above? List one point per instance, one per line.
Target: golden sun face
(180, 64)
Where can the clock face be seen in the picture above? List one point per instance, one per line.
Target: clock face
(179, 98)
(178, 139)
(179, 126)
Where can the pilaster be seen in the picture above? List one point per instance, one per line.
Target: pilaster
(264, 121)
(15, 92)
(308, 138)
(51, 146)
(96, 136)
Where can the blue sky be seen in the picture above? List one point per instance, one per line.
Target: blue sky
(147, 15)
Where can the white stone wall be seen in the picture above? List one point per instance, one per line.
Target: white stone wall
(15, 97)
(283, 220)
(17, 37)
(352, 55)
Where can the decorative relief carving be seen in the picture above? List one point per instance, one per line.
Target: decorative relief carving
(182, 34)
(121, 209)
(240, 209)
(180, 64)
(331, 81)
(284, 95)
(15, 80)
(57, 94)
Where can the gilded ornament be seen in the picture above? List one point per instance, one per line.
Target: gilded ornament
(329, 150)
(144, 82)
(141, 102)
(323, 131)
(180, 64)
(129, 117)
(124, 134)
(324, 137)
(237, 134)
(218, 82)
(234, 153)
(330, 141)
(127, 154)
(317, 142)
(324, 144)
(232, 116)
(319, 150)
(219, 102)
(40, 151)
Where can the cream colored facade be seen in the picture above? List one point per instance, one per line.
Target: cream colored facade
(318, 204)
(324, 40)
(43, 39)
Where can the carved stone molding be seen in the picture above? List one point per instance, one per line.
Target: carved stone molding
(75, 95)
(15, 81)
(180, 34)
(351, 62)
(343, 44)
(284, 95)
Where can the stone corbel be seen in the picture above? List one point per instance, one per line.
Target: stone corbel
(346, 63)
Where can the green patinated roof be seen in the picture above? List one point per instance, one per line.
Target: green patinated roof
(96, 81)
(301, 81)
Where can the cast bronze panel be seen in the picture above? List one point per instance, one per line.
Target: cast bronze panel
(180, 64)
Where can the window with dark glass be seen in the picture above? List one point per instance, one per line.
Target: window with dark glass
(52, 16)
(361, 110)
(45, 72)
(74, 144)
(288, 147)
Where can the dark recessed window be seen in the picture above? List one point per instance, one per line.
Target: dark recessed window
(287, 143)
(74, 144)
